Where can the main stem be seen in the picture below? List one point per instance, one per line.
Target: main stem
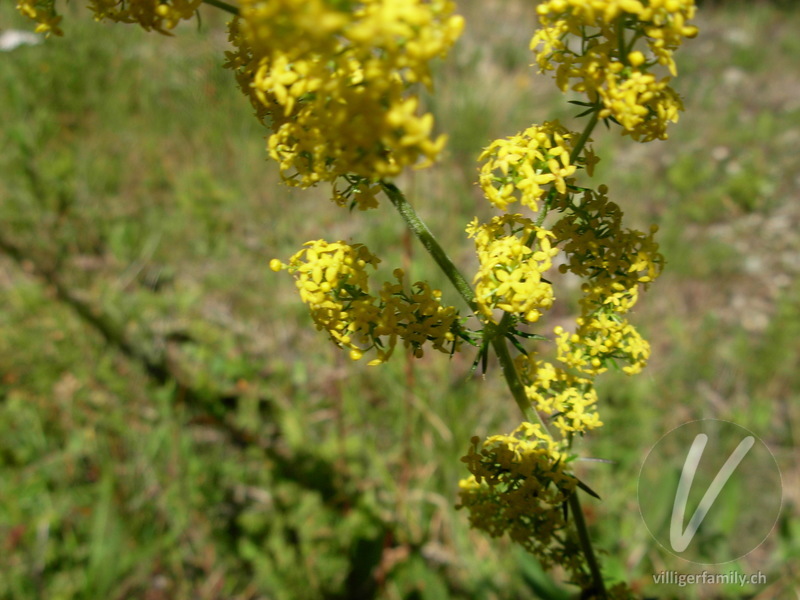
(493, 332)
(420, 229)
(584, 137)
(586, 543)
(510, 372)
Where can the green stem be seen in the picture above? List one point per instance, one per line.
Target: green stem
(418, 227)
(230, 8)
(494, 332)
(510, 372)
(542, 215)
(521, 398)
(587, 131)
(586, 544)
(623, 57)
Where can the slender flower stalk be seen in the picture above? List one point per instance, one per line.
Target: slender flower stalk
(429, 242)
(586, 545)
(587, 131)
(512, 378)
(228, 8)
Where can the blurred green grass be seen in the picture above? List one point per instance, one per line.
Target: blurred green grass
(133, 173)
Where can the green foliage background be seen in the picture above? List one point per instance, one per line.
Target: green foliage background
(171, 426)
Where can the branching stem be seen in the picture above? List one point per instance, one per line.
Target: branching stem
(587, 131)
(229, 8)
(420, 229)
(510, 373)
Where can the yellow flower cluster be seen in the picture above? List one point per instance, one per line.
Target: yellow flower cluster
(641, 104)
(615, 262)
(597, 248)
(333, 281)
(359, 192)
(417, 317)
(158, 15)
(44, 13)
(513, 254)
(331, 80)
(599, 339)
(516, 168)
(518, 486)
(607, 66)
(569, 401)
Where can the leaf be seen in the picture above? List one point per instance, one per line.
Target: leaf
(515, 342)
(531, 336)
(588, 490)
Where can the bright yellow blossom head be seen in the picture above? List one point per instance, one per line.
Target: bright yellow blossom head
(333, 281)
(606, 66)
(568, 400)
(331, 80)
(518, 485)
(600, 339)
(521, 167)
(513, 253)
(44, 13)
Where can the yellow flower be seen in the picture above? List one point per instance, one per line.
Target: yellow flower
(513, 255)
(604, 65)
(600, 338)
(596, 247)
(518, 485)
(332, 80)
(332, 280)
(417, 317)
(642, 105)
(569, 400)
(517, 168)
(44, 13)
(159, 15)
